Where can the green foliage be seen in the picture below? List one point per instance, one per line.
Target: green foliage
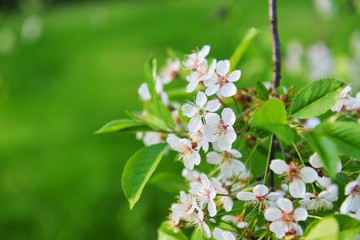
(271, 116)
(139, 169)
(241, 48)
(164, 233)
(334, 227)
(169, 182)
(261, 91)
(123, 125)
(316, 98)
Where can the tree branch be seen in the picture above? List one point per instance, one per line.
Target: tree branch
(276, 62)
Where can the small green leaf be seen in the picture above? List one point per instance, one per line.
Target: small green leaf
(150, 120)
(316, 98)
(251, 215)
(139, 169)
(241, 48)
(349, 227)
(326, 229)
(123, 125)
(169, 182)
(261, 90)
(165, 233)
(166, 115)
(182, 117)
(326, 150)
(150, 79)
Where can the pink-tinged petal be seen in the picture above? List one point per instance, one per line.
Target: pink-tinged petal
(201, 99)
(308, 174)
(186, 142)
(235, 153)
(228, 89)
(234, 76)
(300, 214)
(212, 89)
(260, 190)
(195, 124)
(212, 106)
(212, 119)
(214, 158)
(278, 228)
(273, 214)
(347, 205)
(191, 86)
(350, 186)
(245, 196)
(204, 51)
(285, 204)
(279, 166)
(212, 208)
(189, 110)
(223, 67)
(228, 116)
(297, 188)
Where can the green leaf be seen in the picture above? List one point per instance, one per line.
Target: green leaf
(271, 116)
(123, 125)
(326, 150)
(240, 50)
(150, 76)
(326, 229)
(166, 115)
(316, 98)
(150, 120)
(139, 169)
(182, 117)
(349, 227)
(165, 233)
(251, 215)
(169, 182)
(261, 90)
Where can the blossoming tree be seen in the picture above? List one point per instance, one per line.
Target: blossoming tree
(259, 163)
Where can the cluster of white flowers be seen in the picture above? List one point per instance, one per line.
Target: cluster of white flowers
(211, 124)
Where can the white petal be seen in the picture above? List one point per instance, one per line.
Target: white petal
(300, 214)
(347, 205)
(189, 110)
(223, 67)
(285, 204)
(235, 153)
(212, 89)
(315, 161)
(212, 208)
(297, 188)
(242, 225)
(213, 158)
(191, 86)
(204, 51)
(278, 228)
(228, 116)
(231, 135)
(212, 119)
(196, 158)
(218, 234)
(210, 133)
(245, 196)
(234, 76)
(238, 166)
(195, 124)
(228, 89)
(274, 196)
(212, 106)
(206, 230)
(228, 236)
(273, 214)
(308, 174)
(228, 204)
(260, 190)
(350, 186)
(338, 167)
(279, 166)
(201, 99)
(226, 169)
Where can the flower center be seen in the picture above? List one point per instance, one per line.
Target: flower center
(227, 157)
(288, 217)
(222, 80)
(201, 111)
(356, 190)
(222, 127)
(294, 172)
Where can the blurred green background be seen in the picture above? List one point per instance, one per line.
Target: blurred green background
(68, 67)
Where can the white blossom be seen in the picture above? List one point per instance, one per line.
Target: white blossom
(238, 221)
(352, 202)
(195, 59)
(198, 138)
(230, 166)
(197, 111)
(222, 235)
(223, 83)
(221, 130)
(151, 138)
(226, 201)
(189, 155)
(320, 201)
(197, 220)
(328, 186)
(285, 219)
(205, 194)
(186, 205)
(260, 197)
(316, 162)
(297, 176)
(201, 74)
(144, 91)
(311, 123)
(191, 176)
(345, 101)
(170, 71)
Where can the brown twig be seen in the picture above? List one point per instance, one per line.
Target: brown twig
(276, 61)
